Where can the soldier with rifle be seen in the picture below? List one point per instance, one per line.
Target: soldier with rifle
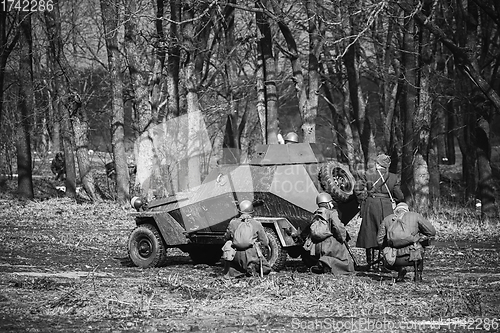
(246, 235)
(326, 240)
(403, 237)
(378, 193)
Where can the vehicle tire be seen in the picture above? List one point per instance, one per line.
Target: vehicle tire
(146, 248)
(275, 253)
(208, 254)
(336, 179)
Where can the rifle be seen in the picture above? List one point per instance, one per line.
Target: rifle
(352, 254)
(259, 254)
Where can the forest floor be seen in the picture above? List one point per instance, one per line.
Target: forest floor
(64, 268)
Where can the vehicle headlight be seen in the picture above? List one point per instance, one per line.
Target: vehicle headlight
(136, 203)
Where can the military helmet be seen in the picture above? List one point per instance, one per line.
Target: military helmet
(292, 137)
(246, 206)
(323, 198)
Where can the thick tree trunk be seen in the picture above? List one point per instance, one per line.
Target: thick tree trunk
(422, 125)
(269, 76)
(408, 107)
(25, 108)
(137, 62)
(111, 20)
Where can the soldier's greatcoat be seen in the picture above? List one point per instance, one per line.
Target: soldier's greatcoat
(375, 204)
(332, 251)
(247, 262)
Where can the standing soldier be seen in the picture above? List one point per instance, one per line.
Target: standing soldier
(325, 243)
(245, 234)
(377, 192)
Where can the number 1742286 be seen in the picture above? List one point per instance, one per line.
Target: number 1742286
(26, 5)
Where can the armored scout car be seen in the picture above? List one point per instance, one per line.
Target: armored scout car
(282, 181)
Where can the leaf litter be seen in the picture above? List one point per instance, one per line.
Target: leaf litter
(67, 262)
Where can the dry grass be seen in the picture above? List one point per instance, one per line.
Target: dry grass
(58, 235)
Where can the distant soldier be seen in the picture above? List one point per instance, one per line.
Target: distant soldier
(246, 236)
(325, 240)
(58, 166)
(404, 236)
(291, 137)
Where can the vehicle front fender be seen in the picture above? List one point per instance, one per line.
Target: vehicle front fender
(171, 231)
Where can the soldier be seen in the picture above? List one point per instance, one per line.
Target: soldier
(246, 233)
(376, 192)
(325, 243)
(404, 236)
(58, 166)
(291, 137)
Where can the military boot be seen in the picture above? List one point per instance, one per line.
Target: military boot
(401, 275)
(369, 260)
(419, 267)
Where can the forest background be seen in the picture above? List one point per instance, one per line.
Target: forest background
(413, 79)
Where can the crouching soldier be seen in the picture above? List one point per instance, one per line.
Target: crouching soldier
(403, 237)
(325, 237)
(246, 235)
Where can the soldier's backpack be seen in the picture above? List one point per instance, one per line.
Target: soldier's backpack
(320, 228)
(399, 234)
(243, 236)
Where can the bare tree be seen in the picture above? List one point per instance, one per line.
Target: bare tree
(110, 10)
(25, 108)
(70, 107)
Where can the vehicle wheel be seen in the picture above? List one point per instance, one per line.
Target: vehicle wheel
(205, 254)
(145, 247)
(336, 179)
(275, 253)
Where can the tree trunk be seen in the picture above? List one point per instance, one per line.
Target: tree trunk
(6, 48)
(111, 21)
(195, 41)
(408, 108)
(269, 75)
(486, 190)
(81, 130)
(422, 125)
(25, 108)
(143, 116)
(450, 132)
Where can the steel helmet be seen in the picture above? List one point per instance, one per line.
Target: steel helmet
(246, 206)
(292, 137)
(323, 198)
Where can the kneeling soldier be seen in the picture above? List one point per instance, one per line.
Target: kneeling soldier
(246, 235)
(403, 237)
(325, 247)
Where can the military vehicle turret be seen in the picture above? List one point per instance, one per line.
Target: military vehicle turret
(281, 180)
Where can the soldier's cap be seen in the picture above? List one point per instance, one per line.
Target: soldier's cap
(401, 206)
(384, 160)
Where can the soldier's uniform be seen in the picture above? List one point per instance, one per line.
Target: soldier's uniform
(372, 192)
(419, 230)
(247, 262)
(329, 255)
